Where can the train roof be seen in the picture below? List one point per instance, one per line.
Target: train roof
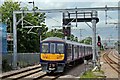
(53, 39)
(65, 41)
(77, 43)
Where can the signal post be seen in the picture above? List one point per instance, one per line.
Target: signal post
(98, 56)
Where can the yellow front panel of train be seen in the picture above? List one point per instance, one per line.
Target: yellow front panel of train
(52, 57)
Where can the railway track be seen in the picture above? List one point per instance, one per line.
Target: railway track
(12, 73)
(116, 56)
(33, 73)
(112, 63)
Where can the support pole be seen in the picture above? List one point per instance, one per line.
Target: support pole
(15, 42)
(99, 65)
(64, 23)
(40, 35)
(76, 18)
(65, 37)
(106, 14)
(94, 37)
(0, 43)
(80, 34)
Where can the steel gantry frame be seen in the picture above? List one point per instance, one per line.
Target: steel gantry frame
(58, 11)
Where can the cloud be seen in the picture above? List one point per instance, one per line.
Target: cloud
(63, 4)
(49, 5)
(47, 1)
(53, 20)
(110, 22)
(103, 4)
(1, 2)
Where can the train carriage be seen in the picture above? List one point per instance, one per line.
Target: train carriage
(55, 53)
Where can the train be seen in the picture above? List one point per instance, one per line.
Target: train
(56, 53)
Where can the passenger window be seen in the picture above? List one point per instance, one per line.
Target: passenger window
(60, 48)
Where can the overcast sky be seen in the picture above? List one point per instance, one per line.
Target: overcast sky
(54, 19)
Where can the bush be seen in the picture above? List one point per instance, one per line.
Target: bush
(5, 66)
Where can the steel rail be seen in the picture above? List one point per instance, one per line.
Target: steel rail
(19, 72)
(115, 56)
(22, 76)
(109, 61)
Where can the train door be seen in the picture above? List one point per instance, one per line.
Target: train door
(86, 49)
(89, 50)
(75, 52)
(72, 52)
(81, 51)
(78, 51)
(84, 52)
(69, 52)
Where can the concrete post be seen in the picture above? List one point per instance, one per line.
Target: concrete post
(65, 37)
(98, 56)
(14, 42)
(94, 15)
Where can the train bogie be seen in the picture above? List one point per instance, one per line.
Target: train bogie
(52, 67)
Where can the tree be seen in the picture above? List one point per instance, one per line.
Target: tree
(72, 37)
(32, 39)
(7, 10)
(117, 45)
(59, 33)
(26, 42)
(55, 33)
(76, 39)
(87, 40)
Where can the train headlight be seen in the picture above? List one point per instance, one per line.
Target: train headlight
(60, 56)
(45, 56)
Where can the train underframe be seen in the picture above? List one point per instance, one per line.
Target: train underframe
(52, 67)
(56, 67)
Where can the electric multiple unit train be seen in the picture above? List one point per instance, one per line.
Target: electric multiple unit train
(55, 53)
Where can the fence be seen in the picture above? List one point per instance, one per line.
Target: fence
(23, 59)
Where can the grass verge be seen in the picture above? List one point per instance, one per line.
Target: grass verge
(91, 74)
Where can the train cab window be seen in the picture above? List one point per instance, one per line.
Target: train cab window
(45, 47)
(60, 48)
(52, 47)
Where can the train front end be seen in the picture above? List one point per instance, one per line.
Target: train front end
(52, 55)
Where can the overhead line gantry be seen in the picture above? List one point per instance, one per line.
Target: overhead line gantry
(69, 10)
(79, 10)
